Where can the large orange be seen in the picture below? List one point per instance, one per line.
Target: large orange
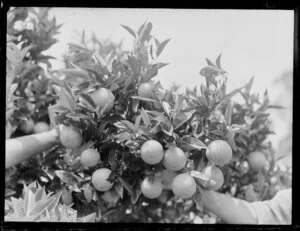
(152, 152)
(175, 159)
(40, 127)
(257, 161)
(70, 137)
(151, 189)
(146, 90)
(99, 179)
(184, 185)
(89, 157)
(215, 174)
(27, 126)
(104, 98)
(219, 152)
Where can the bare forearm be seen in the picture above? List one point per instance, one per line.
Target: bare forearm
(22, 148)
(231, 210)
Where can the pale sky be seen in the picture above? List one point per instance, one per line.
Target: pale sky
(252, 42)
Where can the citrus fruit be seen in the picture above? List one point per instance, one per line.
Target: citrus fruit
(152, 152)
(175, 159)
(70, 137)
(89, 157)
(167, 178)
(108, 197)
(184, 185)
(66, 197)
(27, 127)
(104, 98)
(151, 189)
(40, 127)
(99, 179)
(219, 152)
(215, 174)
(257, 161)
(146, 90)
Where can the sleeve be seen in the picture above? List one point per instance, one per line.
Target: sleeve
(275, 211)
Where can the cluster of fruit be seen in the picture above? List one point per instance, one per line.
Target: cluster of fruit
(29, 126)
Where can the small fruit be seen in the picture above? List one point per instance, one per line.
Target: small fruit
(152, 152)
(146, 90)
(66, 197)
(184, 185)
(40, 127)
(175, 159)
(219, 152)
(108, 197)
(215, 174)
(104, 98)
(70, 137)
(89, 157)
(27, 126)
(167, 178)
(257, 161)
(151, 189)
(99, 179)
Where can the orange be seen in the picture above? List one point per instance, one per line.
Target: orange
(214, 173)
(146, 90)
(219, 152)
(104, 98)
(108, 197)
(152, 152)
(70, 137)
(257, 161)
(184, 185)
(167, 178)
(89, 157)
(40, 127)
(99, 179)
(27, 126)
(175, 159)
(151, 189)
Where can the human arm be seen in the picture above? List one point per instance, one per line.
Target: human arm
(22, 148)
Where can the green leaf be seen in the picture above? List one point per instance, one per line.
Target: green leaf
(228, 113)
(135, 66)
(88, 192)
(161, 47)
(145, 33)
(75, 73)
(119, 189)
(89, 218)
(145, 117)
(150, 73)
(218, 61)
(230, 139)
(65, 99)
(198, 199)
(66, 177)
(275, 107)
(126, 185)
(135, 196)
(210, 63)
(145, 99)
(77, 116)
(161, 65)
(166, 106)
(202, 177)
(88, 98)
(129, 30)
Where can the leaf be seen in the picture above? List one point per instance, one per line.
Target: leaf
(275, 107)
(203, 177)
(89, 218)
(126, 185)
(230, 139)
(135, 196)
(166, 106)
(145, 99)
(228, 113)
(135, 66)
(88, 193)
(145, 117)
(77, 116)
(210, 63)
(145, 33)
(161, 47)
(129, 30)
(237, 128)
(75, 73)
(66, 177)
(218, 61)
(119, 190)
(150, 73)
(249, 85)
(198, 199)
(65, 99)
(88, 98)
(138, 121)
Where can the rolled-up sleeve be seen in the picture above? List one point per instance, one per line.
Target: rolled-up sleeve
(275, 211)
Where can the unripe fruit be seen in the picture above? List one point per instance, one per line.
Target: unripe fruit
(104, 98)
(219, 152)
(167, 178)
(151, 189)
(146, 90)
(70, 137)
(108, 197)
(40, 127)
(99, 179)
(257, 161)
(27, 127)
(89, 157)
(175, 159)
(152, 152)
(66, 197)
(184, 185)
(215, 174)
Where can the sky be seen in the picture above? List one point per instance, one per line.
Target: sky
(252, 42)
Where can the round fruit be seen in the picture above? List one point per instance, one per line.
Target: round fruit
(219, 152)
(146, 90)
(99, 179)
(27, 127)
(108, 197)
(70, 137)
(40, 127)
(104, 98)
(184, 185)
(215, 174)
(257, 161)
(66, 197)
(89, 157)
(167, 178)
(152, 152)
(151, 189)
(175, 159)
